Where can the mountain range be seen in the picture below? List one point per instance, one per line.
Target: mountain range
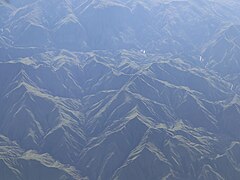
(119, 90)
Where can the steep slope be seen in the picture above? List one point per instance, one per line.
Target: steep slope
(119, 89)
(19, 165)
(111, 128)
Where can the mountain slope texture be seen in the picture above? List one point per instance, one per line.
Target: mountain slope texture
(120, 90)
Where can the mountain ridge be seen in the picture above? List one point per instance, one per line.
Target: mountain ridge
(119, 90)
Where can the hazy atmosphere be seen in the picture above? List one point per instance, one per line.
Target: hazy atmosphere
(119, 90)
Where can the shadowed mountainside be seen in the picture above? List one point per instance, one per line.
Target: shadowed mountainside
(124, 90)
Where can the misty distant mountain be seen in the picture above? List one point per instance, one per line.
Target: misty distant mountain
(119, 90)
